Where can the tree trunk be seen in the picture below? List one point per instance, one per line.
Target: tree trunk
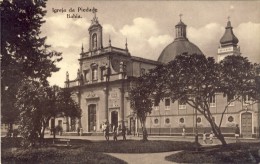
(145, 134)
(42, 135)
(10, 130)
(54, 130)
(217, 132)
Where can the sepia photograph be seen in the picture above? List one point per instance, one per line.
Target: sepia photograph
(138, 82)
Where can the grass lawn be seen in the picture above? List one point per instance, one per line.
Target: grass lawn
(84, 151)
(232, 153)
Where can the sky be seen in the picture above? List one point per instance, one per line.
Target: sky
(149, 27)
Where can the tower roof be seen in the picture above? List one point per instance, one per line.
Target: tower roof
(228, 38)
(180, 45)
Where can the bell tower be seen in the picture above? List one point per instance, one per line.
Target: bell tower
(95, 34)
(228, 43)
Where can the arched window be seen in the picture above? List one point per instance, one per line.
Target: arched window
(94, 74)
(94, 41)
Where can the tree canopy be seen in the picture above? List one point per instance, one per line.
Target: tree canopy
(37, 104)
(194, 79)
(24, 53)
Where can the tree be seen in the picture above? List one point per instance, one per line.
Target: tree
(238, 81)
(141, 102)
(24, 54)
(37, 104)
(194, 79)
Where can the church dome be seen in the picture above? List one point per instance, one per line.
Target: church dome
(180, 45)
(176, 48)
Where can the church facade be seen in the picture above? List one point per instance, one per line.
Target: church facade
(104, 79)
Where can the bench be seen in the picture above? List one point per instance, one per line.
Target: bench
(67, 141)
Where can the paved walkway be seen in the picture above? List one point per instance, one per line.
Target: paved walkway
(145, 158)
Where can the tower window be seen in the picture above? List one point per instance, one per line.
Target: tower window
(94, 41)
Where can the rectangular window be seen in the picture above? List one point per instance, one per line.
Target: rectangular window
(229, 99)
(167, 103)
(156, 105)
(182, 105)
(246, 100)
(212, 101)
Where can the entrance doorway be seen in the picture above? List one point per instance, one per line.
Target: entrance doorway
(246, 125)
(114, 118)
(92, 118)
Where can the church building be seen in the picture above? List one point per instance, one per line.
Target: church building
(104, 79)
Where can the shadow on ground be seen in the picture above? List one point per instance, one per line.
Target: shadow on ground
(232, 153)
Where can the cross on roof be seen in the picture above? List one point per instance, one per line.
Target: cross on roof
(228, 18)
(180, 16)
(94, 11)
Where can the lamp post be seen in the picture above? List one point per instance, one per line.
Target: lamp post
(196, 130)
(55, 90)
(107, 75)
(196, 114)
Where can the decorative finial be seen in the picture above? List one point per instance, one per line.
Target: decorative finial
(180, 16)
(228, 18)
(82, 48)
(126, 44)
(109, 41)
(67, 76)
(95, 19)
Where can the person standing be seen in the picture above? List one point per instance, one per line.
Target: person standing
(205, 137)
(124, 132)
(107, 132)
(211, 137)
(78, 131)
(183, 132)
(115, 132)
(237, 133)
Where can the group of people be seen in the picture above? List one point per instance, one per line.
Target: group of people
(106, 130)
(211, 135)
